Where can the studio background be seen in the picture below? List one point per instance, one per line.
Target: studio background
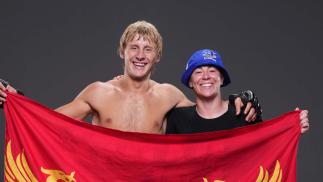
(53, 49)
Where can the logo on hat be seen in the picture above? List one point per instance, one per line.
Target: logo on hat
(209, 55)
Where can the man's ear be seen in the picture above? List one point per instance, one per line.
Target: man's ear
(121, 54)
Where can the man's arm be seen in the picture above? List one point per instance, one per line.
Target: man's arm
(77, 109)
(80, 107)
(177, 97)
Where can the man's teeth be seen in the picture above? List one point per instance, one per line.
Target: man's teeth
(140, 64)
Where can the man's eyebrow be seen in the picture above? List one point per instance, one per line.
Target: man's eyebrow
(131, 44)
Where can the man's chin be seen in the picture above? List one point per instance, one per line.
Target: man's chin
(139, 77)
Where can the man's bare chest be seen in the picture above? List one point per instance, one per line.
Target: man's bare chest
(132, 111)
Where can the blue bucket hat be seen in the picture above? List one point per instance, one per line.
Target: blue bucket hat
(205, 57)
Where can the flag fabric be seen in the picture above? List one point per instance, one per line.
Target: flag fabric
(43, 145)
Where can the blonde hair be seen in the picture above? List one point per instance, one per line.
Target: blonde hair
(143, 29)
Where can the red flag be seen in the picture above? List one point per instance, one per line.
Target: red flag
(43, 145)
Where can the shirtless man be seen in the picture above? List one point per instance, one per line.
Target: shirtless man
(135, 102)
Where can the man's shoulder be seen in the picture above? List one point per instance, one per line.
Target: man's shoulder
(100, 87)
(166, 87)
(174, 95)
(169, 91)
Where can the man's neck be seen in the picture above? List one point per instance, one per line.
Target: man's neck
(211, 108)
(138, 86)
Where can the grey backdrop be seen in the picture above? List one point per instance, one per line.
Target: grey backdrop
(53, 49)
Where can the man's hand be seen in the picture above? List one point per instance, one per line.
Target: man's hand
(4, 86)
(304, 121)
(249, 102)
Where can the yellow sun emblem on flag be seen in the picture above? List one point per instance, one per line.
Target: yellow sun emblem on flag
(276, 176)
(19, 171)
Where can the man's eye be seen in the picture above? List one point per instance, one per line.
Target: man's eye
(148, 49)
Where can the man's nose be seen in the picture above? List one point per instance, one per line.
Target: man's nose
(140, 55)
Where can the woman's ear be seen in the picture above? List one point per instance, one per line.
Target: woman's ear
(190, 84)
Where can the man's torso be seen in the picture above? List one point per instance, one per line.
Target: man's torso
(116, 108)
